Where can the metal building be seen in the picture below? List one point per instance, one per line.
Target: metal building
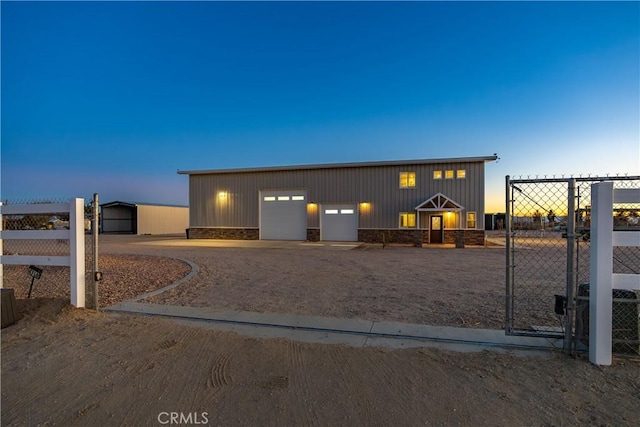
(425, 201)
(143, 218)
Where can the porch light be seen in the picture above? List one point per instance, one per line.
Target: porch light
(222, 195)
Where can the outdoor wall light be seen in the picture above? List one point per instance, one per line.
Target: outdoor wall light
(222, 195)
(35, 273)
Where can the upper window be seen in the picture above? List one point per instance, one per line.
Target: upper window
(407, 220)
(407, 179)
(437, 174)
(471, 220)
(461, 173)
(448, 174)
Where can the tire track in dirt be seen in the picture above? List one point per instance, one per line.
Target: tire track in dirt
(161, 352)
(305, 407)
(165, 371)
(388, 374)
(36, 391)
(345, 372)
(219, 374)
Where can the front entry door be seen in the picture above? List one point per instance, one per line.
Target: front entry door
(435, 231)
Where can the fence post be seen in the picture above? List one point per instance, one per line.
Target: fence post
(601, 274)
(571, 269)
(76, 247)
(95, 229)
(1, 250)
(507, 247)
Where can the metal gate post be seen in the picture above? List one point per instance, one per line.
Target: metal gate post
(507, 245)
(571, 268)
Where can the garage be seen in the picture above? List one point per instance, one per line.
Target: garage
(339, 222)
(283, 215)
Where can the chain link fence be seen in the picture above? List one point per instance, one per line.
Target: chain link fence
(548, 266)
(54, 281)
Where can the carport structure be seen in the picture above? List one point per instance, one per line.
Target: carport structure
(143, 218)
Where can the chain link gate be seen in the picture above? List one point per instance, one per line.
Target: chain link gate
(547, 261)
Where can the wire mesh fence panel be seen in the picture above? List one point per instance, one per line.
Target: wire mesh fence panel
(52, 281)
(549, 260)
(538, 255)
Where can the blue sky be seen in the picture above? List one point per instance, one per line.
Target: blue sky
(115, 97)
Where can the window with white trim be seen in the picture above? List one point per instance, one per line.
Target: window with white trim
(331, 211)
(437, 174)
(471, 220)
(296, 198)
(407, 220)
(283, 198)
(269, 198)
(461, 173)
(448, 174)
(346, 211)
(407, 179)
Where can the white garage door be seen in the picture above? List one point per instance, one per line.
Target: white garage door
(339, 223)
(283, 215)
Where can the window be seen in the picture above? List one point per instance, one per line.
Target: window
(297, 197)
(448, 174)
(283, 198)
(346, 211)
(407, 220)
(461, 173)
(437, 174)
(471, 220)
(407, 179)
(331, 211)
(269, 198)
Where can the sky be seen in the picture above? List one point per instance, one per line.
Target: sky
(115, 97)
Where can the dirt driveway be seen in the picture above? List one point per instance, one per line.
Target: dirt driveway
(67, 366)
(431, 285)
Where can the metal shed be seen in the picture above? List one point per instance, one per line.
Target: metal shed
(422, 200)
(143, 218)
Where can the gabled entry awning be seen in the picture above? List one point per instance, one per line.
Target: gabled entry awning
(439, 202)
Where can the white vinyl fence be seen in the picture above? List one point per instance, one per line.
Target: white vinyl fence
(602, 278)
(75, 235)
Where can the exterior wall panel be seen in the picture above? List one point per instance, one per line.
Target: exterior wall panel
(162, 219)
(376, 185)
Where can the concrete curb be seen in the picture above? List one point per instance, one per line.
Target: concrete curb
(355, 332)
(193, 272)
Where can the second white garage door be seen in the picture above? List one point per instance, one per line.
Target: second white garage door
(283, 215)
(339, 223)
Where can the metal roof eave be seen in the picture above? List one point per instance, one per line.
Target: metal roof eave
(343, 165)
(135, 204)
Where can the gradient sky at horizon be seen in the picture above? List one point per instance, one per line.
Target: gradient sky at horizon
(115, 97)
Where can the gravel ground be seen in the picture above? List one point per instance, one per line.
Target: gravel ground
(437, 286)
(125, 276)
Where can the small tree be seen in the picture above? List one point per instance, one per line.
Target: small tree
(551, 216)
(537, 219)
